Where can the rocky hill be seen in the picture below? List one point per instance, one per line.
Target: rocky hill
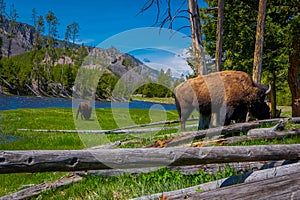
(116, 63)
(22, 40)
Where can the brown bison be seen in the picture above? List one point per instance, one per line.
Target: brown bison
(85, 110)
(228, 94)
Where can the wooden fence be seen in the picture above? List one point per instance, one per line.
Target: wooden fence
(77, 160)
(254, 184)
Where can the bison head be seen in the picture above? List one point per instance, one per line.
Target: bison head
(259, 109)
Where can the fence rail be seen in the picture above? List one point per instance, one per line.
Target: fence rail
(77, 160)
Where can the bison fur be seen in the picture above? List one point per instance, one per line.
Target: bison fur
(85, 110)
(228, 94)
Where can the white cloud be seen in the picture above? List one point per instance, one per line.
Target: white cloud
(176, 63)
(85, 41)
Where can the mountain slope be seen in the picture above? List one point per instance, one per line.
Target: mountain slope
(56, 61)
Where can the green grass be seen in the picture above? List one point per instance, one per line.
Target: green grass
(14, 182)
(120, 187)
(129, 186)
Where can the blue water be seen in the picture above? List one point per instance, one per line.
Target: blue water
(6, 138)
(15, 102)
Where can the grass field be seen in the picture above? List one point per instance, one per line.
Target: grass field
(119, 187)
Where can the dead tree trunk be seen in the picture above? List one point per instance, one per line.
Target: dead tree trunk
(258, 53)
(219, 35)
(197, 44)
(294, 72)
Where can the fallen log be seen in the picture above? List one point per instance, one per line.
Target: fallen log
(263, 135)
(281, 187)
(188, 137)
(78, 160)
(121, 131)
(268, 136)
(259, 131)
(241, 167)
(32, 90)
(114, 131)
(154, 123)
(36, 190)
(252, 177)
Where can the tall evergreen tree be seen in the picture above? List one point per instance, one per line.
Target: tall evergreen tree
(73, 31)
(294, 58)
(13, 15)
(52, 22)
(239, 39)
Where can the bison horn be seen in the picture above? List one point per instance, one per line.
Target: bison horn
(268, 90)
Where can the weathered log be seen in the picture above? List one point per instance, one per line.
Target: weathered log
(188, 137)
(78, 160)
(32, 90)
(242, 167)
(100, 131)
(153, 124)
(259, 131)
(252, 177)
(117, 172)
(119, 131)
(36, 190)
(212, 132)
(269, 136)
(106, 146)
(7, 83)
(263, 135)
(282, 187)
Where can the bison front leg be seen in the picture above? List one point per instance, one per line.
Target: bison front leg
(204, 121)
(78, 111)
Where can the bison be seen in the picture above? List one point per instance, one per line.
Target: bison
(228, 94)
(85, 110)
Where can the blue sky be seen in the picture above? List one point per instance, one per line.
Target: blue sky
(103, 21)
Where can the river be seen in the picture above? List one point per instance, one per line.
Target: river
(15, 102)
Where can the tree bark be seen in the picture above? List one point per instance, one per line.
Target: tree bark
(79, 160)
(258, 53)
(197, 44)
(273, 95)
(278, 187)
(219, 35)
(294, 73)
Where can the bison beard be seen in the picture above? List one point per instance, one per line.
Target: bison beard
(228, 94)
(85, 110)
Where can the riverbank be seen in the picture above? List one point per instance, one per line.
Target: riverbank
(169, 100)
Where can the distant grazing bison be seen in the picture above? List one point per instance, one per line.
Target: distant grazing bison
(228, 94)
(85, 110)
